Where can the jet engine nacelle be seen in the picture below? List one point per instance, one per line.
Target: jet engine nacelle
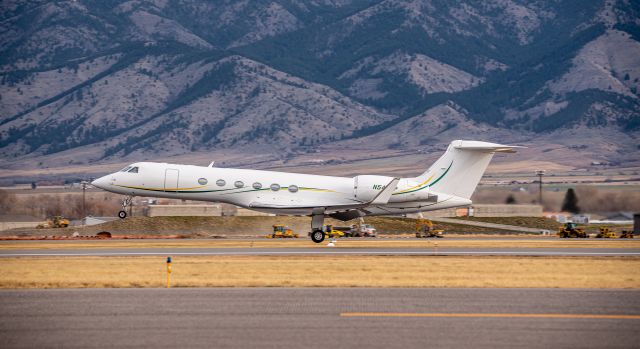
(365, 188)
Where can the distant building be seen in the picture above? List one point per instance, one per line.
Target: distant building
(619, 216)
(486, 210)
(581, 218)
(564, 217)
(199, 210)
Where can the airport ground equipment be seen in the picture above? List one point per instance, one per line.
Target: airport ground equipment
(424, 229)
(358, 230)
(626, 234)
(570, 230)
(605, 233)
(362, 229)
(55, 222)
(330, 232)
(282, 232)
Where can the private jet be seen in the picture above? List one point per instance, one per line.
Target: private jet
(448, 183)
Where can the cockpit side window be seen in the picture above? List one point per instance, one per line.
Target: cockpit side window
(133, 170)
(126, 169)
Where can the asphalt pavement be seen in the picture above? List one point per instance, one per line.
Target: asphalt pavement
(320, 318)
(176, 251)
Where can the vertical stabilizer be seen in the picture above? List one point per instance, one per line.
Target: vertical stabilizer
(458, 171)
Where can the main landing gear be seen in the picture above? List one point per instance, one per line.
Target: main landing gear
(317, 221)
(126, 203)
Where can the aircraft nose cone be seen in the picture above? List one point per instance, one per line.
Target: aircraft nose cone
(100, 182)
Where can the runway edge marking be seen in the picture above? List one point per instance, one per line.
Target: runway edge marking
(489, 315)
(355, 253)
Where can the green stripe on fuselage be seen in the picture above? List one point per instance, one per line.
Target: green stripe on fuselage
(428, 185)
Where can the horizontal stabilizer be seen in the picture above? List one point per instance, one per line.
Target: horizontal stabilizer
(485, 146)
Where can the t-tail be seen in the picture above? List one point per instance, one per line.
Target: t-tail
(459, 170)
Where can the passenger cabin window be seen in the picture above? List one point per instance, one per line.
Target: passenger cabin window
(133, 170)
(239, 184)
(275, 187)
(221, 182)
(257, 185)
(293, 188)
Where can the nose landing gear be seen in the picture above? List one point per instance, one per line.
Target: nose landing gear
(126, 203)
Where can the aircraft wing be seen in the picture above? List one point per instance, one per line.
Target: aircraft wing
(380, 199)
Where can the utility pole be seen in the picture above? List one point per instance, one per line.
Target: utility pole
(540, 173)
(84, 199)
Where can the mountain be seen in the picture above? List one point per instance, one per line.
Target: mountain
(107, 81)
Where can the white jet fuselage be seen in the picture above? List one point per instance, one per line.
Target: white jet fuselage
(274, 192)
(449, 182)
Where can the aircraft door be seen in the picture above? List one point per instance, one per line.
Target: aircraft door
(171, 179)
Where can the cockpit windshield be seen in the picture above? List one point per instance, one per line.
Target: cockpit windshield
(130, 169)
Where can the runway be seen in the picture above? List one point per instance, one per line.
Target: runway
(320, 318)
(576, 252)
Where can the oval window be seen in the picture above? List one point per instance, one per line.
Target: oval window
(203, 181)
(293, 188)
(275, 187)
(257, 185)
(221, 182)
(238, 184)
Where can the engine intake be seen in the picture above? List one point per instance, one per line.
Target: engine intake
(367, 187)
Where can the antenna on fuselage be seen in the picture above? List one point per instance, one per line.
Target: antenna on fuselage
(211, 164)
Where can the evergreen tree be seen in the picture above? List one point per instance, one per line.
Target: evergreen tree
(570, 203)
(510, 199)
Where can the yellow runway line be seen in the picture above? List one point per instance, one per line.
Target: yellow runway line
(458, 315)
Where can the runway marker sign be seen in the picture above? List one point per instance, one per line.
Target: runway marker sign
(169, 272)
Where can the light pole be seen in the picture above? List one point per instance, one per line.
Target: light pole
(540, 173)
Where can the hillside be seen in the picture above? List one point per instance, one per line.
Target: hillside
(269, 82)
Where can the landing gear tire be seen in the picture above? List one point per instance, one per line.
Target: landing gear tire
(317, 236)
(122, 214)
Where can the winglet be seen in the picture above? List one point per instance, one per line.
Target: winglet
(385, 194)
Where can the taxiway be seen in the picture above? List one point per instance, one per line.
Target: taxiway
(320, 318)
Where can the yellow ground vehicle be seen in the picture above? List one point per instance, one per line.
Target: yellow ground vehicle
(424, 229)
(55, 222)
(281, 232)
(570, 230)
(329, 232)
(605, 233)
(626, 235)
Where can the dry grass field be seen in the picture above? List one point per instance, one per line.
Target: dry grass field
(321, 271)
(241, 226)
(247, 226)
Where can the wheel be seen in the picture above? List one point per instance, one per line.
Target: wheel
(122, 214)
(317, 236)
